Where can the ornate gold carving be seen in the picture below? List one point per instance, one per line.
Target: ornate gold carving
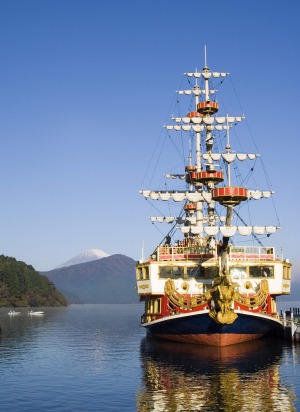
(264, 286)
(169, 287)
(257, 299)
(185, 286)
(180, 300)
(248, 285)
(223, 295)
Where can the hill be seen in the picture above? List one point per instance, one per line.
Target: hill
(21, 285)
(107, 280)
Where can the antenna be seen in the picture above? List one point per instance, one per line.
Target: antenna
(143, 257)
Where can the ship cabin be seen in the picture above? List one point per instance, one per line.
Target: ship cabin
(193, 270)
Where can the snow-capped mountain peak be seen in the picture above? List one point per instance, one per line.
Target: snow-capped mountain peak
(86, 256)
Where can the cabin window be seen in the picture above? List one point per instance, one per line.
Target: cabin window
(146, 272)
(171, 271)
(142, 273)
(153, 306)
(286, 272)
(261, 271)
(211, 272)
(139, 273)
(238, 272)
(194, 272)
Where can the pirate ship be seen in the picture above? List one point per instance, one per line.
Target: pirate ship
(205, 287)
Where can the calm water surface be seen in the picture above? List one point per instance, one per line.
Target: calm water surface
(96, 358)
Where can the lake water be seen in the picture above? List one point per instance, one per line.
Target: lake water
(96, 358)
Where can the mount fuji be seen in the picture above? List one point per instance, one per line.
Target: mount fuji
(84, 257)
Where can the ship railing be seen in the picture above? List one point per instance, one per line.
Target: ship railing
(252, 253)
(174, 252)
(169, 252)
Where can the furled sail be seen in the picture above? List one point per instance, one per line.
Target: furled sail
(206, 75)
(230, 157)
(191, 219)
(196, 92)
(180, 196)
(175, 176)
(172, 219)
(177, 196)
(209, 120)
(229, 231)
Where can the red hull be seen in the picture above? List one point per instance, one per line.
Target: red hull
(215, 339)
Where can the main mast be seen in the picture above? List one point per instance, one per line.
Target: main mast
(227, 196)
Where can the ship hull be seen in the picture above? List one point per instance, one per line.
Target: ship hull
(200, 328)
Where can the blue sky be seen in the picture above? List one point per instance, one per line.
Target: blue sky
(85, 87)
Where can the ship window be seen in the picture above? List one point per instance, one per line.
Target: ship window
(211, 272)
(286, 272)
(261, 271)
(171, 271)
(194, 272)
(142, 273)
(146, 272)
(153, 306)
(139, 274)
(238, 272)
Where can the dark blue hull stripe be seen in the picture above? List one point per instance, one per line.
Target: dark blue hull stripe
(204, 324)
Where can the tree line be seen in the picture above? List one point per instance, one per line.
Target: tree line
(21, 285)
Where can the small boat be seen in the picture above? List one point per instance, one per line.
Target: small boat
(13, 313)
(203, 284)
(35, 313)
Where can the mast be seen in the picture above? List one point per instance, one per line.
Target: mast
(199, 206)
(230, 196)
(224, 246)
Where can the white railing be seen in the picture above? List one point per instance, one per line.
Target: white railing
(252, 252)
(185, 252)
(170, 252)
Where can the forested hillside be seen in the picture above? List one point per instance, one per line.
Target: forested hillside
(21, 285)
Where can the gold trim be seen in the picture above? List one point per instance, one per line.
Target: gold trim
(180, 300)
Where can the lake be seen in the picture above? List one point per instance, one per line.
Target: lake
(96, 358)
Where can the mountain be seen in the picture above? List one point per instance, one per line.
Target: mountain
(86, 256)
(107, 280)
(21, 285)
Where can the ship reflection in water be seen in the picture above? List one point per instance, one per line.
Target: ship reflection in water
(185, 377)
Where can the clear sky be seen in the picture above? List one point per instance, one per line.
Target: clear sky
(85, 86)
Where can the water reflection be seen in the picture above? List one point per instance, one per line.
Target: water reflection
(21, 335)
(183, 377)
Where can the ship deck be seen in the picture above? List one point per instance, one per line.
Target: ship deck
(180, 253)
